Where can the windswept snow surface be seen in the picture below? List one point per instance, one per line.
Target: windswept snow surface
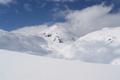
(57, 41)
(18, 66)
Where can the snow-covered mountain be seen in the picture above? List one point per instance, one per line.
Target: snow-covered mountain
(55, 33)
(56, 36)
(36, 40)
(57, 41)
(17, 42)
(101, 46)
(18, 66)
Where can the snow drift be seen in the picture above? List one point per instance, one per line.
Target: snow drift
(18, 66)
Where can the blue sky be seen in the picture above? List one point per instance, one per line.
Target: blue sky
(19, 13)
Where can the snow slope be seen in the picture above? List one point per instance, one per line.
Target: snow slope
(101, 46)
(18, 66)
(22, 43)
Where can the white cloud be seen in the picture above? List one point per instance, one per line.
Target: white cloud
(62, 0)
(81, 22)
(5, 2)
(27, 7)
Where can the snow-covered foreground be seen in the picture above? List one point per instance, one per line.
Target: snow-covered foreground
(17, 66)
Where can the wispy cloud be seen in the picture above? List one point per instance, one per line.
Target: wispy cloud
(62, 0)
(81, 22)
(27, 7)
(5, 2)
